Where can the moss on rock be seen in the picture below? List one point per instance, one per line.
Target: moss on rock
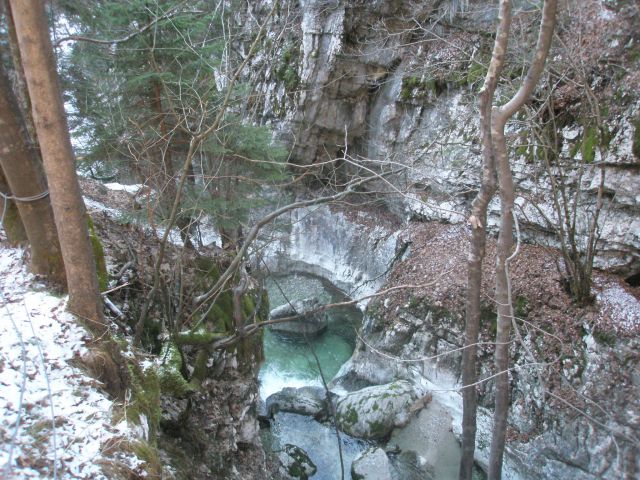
(170, 372)
(98, 255)
(144, 405)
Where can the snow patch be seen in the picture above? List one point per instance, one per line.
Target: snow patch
(52, 415)
(130, 189)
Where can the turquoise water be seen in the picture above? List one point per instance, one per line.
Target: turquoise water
(290, 363)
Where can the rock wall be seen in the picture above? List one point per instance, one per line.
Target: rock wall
(352, 249)
(398, 80)
(582, 427)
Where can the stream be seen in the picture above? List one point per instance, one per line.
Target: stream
(289, 363)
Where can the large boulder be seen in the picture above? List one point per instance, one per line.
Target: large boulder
(295, 463)
(304, 401)
(372, 464)
(309, 323)
(373, 412)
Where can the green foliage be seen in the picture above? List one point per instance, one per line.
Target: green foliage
(139, 101)
(170, 372)
(604, 337)
(145, 399)
(589, 142)
(246, 159)
(521, 306)
(420, 89)
(287, 70)
(476, 72)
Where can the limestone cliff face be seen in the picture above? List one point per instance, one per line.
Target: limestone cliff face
(398, 80)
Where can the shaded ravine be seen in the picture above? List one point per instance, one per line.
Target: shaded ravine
(290, 363)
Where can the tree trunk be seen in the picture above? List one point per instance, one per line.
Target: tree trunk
(505, 239)
(20, 86)
(59, 163)
(10, 218)
(25, 179)
(478, 221)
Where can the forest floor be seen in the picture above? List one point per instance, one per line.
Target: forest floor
(55, 420)
(439, 253)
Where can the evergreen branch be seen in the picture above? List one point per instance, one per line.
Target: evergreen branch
(195, 142)
(114, 41)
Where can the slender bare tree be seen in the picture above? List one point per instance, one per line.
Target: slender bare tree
(59, 163)
(493, 121)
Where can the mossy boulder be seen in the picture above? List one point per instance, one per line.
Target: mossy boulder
(295, 463)
(373, 412)
(304, 401)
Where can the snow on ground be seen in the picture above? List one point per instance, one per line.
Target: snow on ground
(95, 205)
(38, 338)
(206, 228)
(130, 189)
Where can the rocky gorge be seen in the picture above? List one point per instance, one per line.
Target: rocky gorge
(392, 82)
(388, 90)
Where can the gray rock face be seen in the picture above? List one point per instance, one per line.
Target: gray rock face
(310, 322)
(305, 401)
(416, 104)
(411, 466)
(374, 412)
(375, 464)
(372, 464)
(398, 99)
(295, 464)
(352, 253)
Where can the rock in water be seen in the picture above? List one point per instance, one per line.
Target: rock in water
(295, 463)
(304, 401)
(310, 322)
(408, 465)
(374, 412)
(372, 464)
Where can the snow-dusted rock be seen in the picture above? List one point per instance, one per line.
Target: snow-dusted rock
(372, 464)
(304, 400)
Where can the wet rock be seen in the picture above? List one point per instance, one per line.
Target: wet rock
(310, 322)
(373, 412)
(411, 466)
(295, 463)
(372, 464)
(304, 401)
